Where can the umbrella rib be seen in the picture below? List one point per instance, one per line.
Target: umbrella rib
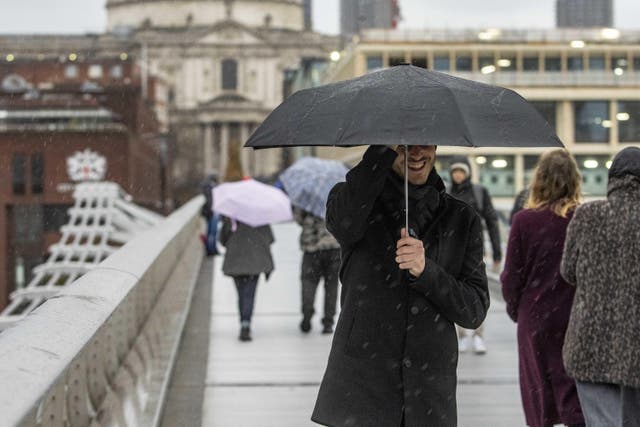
(467, 133)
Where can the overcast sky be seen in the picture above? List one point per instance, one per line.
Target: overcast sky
(80, 16)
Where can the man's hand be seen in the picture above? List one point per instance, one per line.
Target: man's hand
(410, 254)
(496, 266)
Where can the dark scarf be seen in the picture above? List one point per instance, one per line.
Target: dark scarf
(424, 201)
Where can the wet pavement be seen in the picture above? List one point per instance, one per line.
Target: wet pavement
(273, 380)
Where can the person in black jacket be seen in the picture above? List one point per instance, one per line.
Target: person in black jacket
(477, 197)
(394, 354)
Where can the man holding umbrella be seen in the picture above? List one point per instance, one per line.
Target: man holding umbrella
(394, 355)
(411, 254)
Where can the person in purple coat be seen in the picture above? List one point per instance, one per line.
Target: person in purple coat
(537, 297)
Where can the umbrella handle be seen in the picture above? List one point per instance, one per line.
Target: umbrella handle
(406, 188)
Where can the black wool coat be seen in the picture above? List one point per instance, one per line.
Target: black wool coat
(395, 346)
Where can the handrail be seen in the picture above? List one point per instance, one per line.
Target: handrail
(102, 349)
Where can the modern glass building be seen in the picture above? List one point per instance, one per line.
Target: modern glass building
(585, 82)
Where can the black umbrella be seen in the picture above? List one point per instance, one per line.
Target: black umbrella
(405, 105)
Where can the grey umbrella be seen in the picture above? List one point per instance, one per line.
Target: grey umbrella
(405, 105)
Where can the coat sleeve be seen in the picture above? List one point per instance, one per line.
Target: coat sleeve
(512, 277)
(463, 299)
(572, 245)
(491, 219)
(351, 202)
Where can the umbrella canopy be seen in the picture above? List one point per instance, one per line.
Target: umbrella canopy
(309, 180)
(252, 203)
(405, 105)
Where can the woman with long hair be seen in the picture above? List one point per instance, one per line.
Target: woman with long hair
(537, 297)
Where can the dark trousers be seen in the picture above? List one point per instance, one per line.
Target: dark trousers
(246, 287)
(324, 264)
(212, 234)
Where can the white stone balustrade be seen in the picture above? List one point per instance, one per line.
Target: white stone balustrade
(100, 353)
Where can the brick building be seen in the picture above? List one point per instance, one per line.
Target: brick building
(51, 108)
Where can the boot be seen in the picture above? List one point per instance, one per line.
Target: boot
(245, 334)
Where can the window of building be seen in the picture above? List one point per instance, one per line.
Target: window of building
(374, 62)
(507, 62)
(530, 63)
(591, 121)
(575, 63)
(229, 74)
(37, 173)
(596, 62)
(420, 61)
(636, 63)
(463, 62)
(95, 71)
(552, 63)
(27, 223)
(396, 60)
(18, 172)
(548, 110)
(629, 121)
(594, 174)
(71, 71)
(530, 163)
(442, 63)
(485, 61)
(497, 174)
(116, 71)
(619, 64)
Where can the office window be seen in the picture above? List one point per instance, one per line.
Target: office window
(420, 61)
(548, 110)
(442, 63)
(18, 171)
(374, 62)
(28, 223)
(552, 63)
(71, 71)
(619, 62)
(229, 74)
(95, 71)
(463, 63)
(591, 121)
(507, 62)
(116, 71)
(37, 173)
(530, 63)
(497, 174)
(629, 121)
(596, 63)
(575, 63)
(594, 174)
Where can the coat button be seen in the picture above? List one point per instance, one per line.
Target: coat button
(415, 310)
(406, 362)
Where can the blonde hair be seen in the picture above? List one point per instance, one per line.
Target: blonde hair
(556, 183)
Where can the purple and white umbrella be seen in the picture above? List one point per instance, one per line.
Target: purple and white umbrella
(252, 203)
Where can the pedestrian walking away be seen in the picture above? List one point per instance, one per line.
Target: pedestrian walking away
(536, 296)
(211, 217)
(394, 353)
(602, 259)
(320, 261)
(247, 255)
(477, 196)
